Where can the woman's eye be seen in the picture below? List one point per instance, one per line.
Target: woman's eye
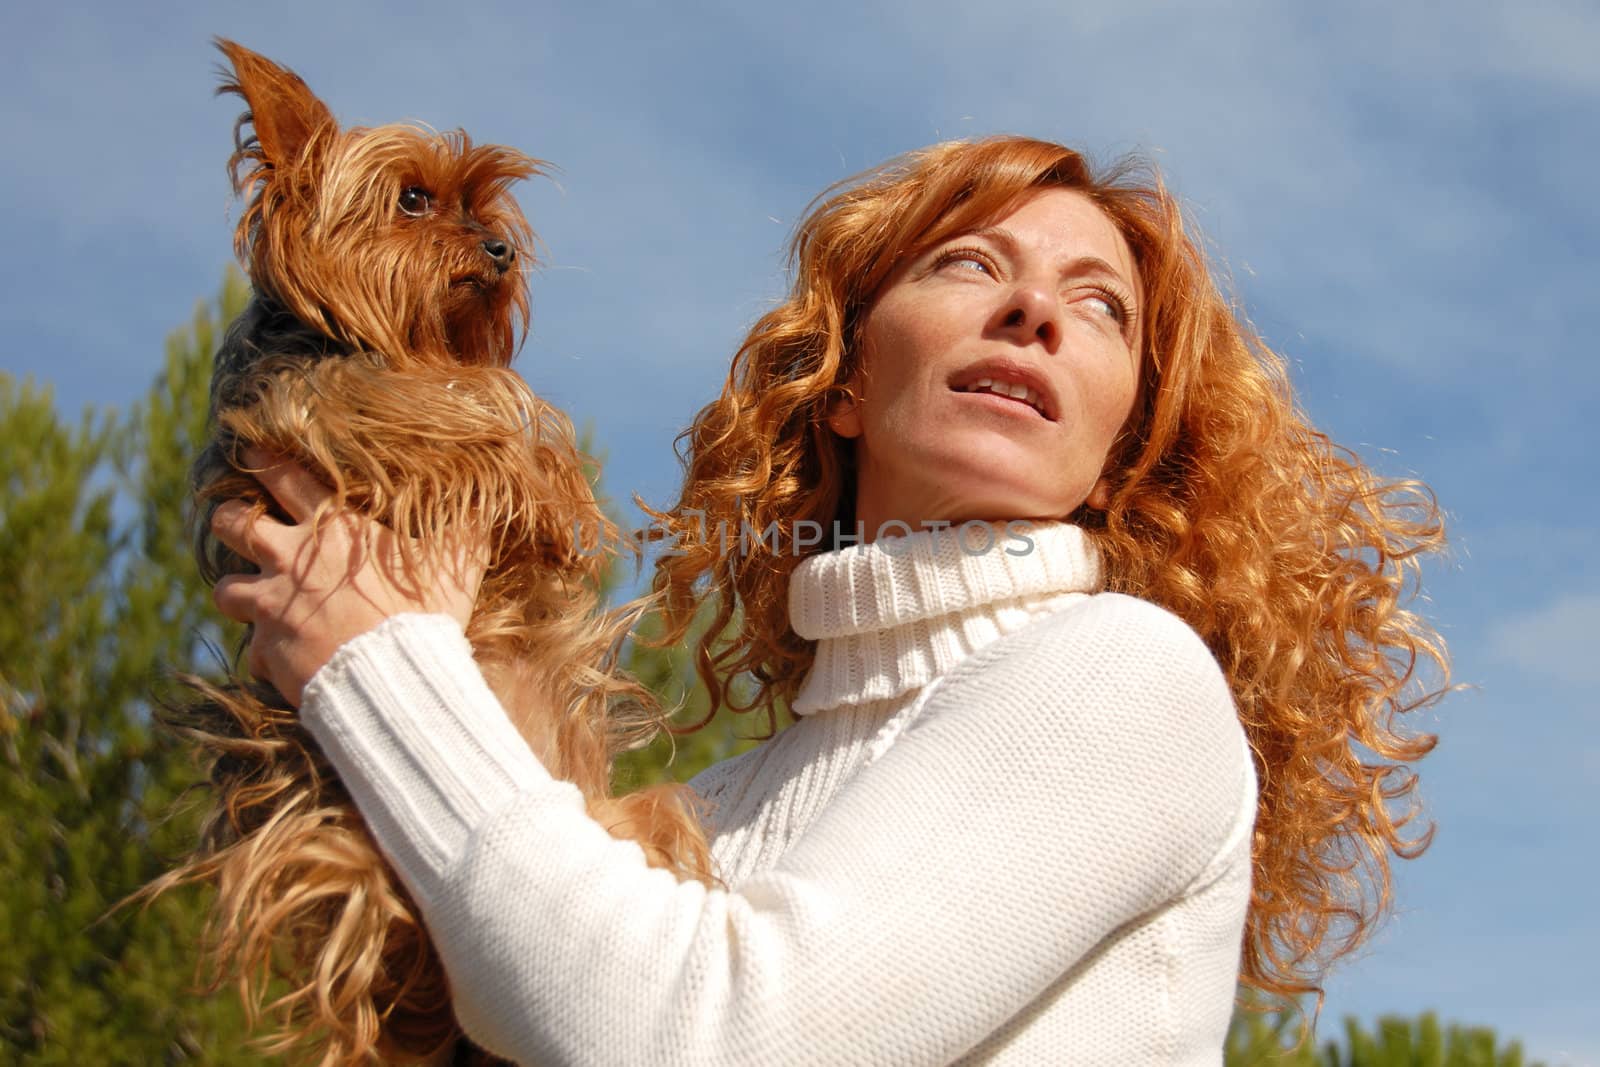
(968, 260)
(1107, 305)
(415, 201)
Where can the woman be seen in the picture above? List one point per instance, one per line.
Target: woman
(1089, 686)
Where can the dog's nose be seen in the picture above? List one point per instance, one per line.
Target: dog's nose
(501, 252)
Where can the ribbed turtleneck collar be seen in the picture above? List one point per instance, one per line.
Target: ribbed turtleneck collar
(893, 615)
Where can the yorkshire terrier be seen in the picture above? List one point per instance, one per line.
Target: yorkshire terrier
(389, 296)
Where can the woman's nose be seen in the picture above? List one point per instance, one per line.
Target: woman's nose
(1029, 313)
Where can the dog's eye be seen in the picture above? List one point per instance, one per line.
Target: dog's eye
(415, 201)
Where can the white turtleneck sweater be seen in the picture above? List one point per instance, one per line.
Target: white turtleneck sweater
(1012, 827)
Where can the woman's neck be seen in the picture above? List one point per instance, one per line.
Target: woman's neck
(891, 615)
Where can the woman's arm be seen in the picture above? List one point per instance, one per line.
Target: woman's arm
(1061, 783)
(1064, 781)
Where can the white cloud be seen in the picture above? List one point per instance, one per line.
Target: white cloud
(1556, 641)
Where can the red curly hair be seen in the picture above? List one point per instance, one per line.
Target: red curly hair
(1290, 558)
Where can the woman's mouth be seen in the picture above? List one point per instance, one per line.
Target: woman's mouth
(1015, 395)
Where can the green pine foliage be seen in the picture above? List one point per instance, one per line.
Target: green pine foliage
(1272, 1039)
(670, 674)
(673, 756)
(101, 604)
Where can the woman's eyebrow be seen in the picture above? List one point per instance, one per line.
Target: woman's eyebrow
(998, 234)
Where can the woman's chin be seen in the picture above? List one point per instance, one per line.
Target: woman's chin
(983, 505)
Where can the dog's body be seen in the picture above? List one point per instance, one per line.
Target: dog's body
(386, 265)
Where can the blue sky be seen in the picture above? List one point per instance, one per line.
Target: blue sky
(1403, 196)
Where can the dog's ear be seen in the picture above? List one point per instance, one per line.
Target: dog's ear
(283, 110)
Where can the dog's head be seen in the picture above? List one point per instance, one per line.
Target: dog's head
(397, 240)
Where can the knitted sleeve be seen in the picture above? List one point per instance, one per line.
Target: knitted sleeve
(1063, 781)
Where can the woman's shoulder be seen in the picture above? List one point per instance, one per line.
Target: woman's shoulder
(1121, 709)
(1108, 660)
(1105, 633)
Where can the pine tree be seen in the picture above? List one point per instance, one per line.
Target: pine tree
(1271, 1039)
(670, 674)
(101, 605)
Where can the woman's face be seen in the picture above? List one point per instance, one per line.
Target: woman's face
(1041, 305)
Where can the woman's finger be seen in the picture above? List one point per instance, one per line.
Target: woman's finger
(259, 663)
(235, 596)
(296, 489)
(245, 530)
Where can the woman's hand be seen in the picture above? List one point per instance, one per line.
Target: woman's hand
(329, 576)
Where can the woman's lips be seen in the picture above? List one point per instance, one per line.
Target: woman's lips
(1004, 397)
(1008, 377)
